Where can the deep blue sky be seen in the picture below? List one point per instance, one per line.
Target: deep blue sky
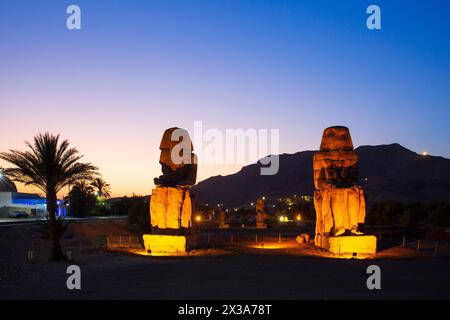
(138, 67)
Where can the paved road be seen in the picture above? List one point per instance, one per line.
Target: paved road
(236, 277)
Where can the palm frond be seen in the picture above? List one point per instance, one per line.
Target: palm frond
(49, 164)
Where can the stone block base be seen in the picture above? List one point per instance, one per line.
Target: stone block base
(349, 246)
(167, 244)
(224, 226)
(303, 238)
(260, 225)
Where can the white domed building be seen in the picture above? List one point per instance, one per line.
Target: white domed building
(15, 204)
(7, 185)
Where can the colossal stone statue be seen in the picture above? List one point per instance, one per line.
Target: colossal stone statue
(178, 168)
(171, 202)
(260, 214)
(338, 198)
(222, 220)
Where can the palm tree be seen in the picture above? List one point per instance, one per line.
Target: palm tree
(101, 187)
(82, 198)
(84, 187)
(49, 165)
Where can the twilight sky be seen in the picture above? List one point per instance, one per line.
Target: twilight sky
(138, 67)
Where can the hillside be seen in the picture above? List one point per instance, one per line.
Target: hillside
(387, 172)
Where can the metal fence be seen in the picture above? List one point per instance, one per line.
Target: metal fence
(124, 242)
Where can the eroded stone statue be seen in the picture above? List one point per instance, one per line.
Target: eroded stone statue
(171, 203)
(338, 197)
(178, 162)
(260, 214)
(223, 220)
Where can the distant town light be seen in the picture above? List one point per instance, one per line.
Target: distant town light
(198, 218)
(424, 153)
(299, 218)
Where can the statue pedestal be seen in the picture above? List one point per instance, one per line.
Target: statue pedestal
(224, 226)
(349, 246)
(260, 225)
(167, 244)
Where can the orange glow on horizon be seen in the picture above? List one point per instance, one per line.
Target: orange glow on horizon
(133, 182)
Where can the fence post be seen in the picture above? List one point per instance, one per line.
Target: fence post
(436, 248)
(120, 241)
(404, 241)
(418, 244)
(279, 237)
(256, 239)
(30, 256)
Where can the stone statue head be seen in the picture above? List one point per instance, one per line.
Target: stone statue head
(336, 138)
(176, 148)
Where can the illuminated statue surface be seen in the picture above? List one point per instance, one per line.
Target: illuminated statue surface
(223, 220)
(338, 198)
(179, 169)
(171, 203)
(260, 214)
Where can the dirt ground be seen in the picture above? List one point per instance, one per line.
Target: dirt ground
(223, 271)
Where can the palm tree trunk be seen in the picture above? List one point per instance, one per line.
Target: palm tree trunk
(54, 232)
